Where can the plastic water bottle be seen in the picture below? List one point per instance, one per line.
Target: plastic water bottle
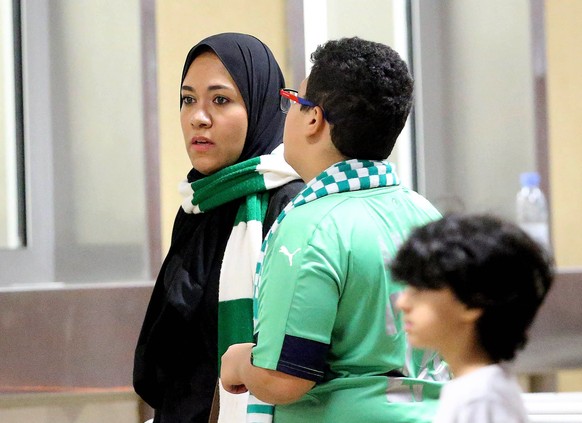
(532, 209)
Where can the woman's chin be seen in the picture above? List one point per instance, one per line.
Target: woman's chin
(206, 167)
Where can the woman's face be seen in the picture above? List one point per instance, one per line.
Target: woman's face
(213, 115)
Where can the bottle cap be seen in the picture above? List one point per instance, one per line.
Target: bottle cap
(530, 179)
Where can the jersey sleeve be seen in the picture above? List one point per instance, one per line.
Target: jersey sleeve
(298, 297)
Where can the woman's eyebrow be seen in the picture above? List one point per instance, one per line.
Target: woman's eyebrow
(210, 88)
(219, 87)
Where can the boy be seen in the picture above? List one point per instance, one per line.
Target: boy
(474, 285)
(326, 349)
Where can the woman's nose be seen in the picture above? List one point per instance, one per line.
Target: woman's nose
(200, 118)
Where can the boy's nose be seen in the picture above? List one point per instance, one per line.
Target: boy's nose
(401, 301)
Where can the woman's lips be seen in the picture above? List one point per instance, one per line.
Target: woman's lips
(201, 144)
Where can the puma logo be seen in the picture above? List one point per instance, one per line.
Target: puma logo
(289, 255)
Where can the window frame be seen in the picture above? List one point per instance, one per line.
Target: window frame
(34, 264)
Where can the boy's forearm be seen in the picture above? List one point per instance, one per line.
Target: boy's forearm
(238, 375)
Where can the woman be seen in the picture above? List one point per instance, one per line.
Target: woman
(231, 121)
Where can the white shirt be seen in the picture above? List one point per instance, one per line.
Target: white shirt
(488, 395)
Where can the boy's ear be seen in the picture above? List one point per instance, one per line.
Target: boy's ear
(472, 314)
(315, 121)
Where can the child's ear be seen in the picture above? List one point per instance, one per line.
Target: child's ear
(472, 314)
(316, 121)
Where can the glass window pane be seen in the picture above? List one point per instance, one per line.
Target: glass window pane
(101, 231)
(11, 216)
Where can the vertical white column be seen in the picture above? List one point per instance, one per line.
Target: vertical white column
(404, 151)
(315, 27)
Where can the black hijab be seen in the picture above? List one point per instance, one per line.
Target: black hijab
(258, 78)
(176, 363)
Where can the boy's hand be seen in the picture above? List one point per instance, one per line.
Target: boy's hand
(233, 360)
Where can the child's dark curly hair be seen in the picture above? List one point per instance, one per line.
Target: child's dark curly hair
(489, 264)
(366, 91)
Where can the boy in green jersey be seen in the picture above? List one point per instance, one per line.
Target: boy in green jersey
(330, 345)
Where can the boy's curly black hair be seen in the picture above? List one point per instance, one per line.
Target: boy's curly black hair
(489, 264)
(366, 91)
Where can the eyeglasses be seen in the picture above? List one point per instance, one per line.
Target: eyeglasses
(288, 96)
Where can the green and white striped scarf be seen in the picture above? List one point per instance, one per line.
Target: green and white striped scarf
(350, 175)
(250, 179)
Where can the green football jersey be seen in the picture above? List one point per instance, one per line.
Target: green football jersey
(326, 310)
